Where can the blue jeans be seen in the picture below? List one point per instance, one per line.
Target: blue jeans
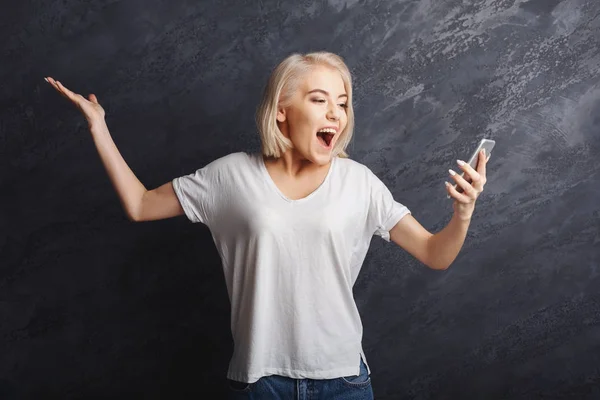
(276, 387)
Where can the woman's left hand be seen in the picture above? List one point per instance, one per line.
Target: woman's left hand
(464, 203)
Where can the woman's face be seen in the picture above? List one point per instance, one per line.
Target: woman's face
(318, 102)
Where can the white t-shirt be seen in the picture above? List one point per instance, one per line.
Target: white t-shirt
(290, 265)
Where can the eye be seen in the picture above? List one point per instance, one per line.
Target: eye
(343, 105)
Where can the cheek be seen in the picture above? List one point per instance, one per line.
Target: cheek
(297, 121)
(344, 120)
(303, 134)
(301, 128)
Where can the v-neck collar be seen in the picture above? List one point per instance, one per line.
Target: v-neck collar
(271, 183)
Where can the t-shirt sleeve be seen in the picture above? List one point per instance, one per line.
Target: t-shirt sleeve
(384, 211)
(196, 193)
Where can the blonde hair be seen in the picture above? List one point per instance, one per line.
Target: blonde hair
(282, 83)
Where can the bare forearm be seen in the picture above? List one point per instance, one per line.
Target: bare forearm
(127, 185)
(445, 245)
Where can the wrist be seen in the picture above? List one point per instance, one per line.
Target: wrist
(97, 124)
(462, 219)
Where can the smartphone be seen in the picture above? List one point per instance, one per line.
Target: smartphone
(486, 144)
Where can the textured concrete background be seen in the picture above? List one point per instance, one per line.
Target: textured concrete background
(94, 306)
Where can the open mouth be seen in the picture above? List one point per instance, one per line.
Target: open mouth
(325, 138)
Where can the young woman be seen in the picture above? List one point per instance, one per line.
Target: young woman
(292, 225)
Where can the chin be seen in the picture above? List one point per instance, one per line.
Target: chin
(321, 158)
(323, 162)
(317, 154)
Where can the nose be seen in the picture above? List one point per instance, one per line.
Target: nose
(333, 113)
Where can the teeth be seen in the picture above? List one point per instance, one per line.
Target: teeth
(328, 130)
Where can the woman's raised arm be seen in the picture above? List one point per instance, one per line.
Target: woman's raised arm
(139, 203)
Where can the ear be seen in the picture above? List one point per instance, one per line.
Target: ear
(281, 117)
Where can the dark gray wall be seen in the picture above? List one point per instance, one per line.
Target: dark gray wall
(95, 306)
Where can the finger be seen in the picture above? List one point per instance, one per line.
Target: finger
(469, 171)
(58, 87)
(52, 82)
(66, 91)
(481, 164)
(74, 97)
(482, 170)
(452, 192)
(467, 187)
(93, 98)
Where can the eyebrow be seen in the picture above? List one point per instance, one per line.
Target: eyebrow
(326, 93)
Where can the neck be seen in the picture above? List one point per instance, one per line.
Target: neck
(295, 165)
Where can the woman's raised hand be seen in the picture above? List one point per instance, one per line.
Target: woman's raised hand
(91, 109)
